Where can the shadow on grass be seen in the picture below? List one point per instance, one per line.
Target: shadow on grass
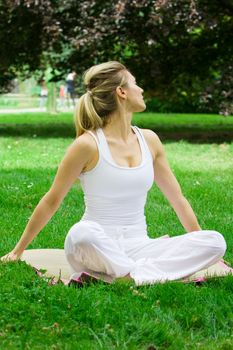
(193, 133)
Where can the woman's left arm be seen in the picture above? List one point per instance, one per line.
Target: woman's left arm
(168, 184)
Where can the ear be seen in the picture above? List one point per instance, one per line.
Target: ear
(121, 92)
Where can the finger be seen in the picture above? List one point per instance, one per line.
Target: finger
(3, 258)
(6, 258)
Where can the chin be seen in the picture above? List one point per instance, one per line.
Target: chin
(141, 108)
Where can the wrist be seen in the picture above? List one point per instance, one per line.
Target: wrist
(17, 251)
(194, 228)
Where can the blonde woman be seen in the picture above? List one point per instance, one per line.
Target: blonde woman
(117, 164)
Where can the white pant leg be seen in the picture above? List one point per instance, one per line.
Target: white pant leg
(87, 247)
(158, 260)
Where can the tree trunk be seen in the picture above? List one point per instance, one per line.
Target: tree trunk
(52, 99)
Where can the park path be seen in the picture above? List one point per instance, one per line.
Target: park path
(30, 110)
(22, 110)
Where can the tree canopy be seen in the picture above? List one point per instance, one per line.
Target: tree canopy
(181, 51)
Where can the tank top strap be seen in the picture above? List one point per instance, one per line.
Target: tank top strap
(99, 141)
(141, 138)
(94, 137)
(103, 145)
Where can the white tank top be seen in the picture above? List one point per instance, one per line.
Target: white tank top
(116, 195)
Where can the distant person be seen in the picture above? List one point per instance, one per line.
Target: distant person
(70, 85)
(43, 95)
(62, 96)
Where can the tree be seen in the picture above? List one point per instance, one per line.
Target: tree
(27, 29)
(181, 51)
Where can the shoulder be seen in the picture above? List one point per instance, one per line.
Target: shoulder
(150, 135)
(153, 141)
(83, 145)
(84, 141)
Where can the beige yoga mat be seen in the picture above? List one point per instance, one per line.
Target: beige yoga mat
(53, 263)
(220, 269)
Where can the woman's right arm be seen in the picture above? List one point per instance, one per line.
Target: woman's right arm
(78, 155)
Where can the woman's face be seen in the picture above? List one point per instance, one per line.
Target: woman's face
(134, 98)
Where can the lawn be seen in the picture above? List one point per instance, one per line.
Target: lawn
(149, 119)
(119, 316)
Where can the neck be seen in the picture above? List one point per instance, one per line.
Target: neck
(119, 126)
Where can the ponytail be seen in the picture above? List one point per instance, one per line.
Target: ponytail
(93, 108)
(86, 117)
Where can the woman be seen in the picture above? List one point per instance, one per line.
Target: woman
(117, 164)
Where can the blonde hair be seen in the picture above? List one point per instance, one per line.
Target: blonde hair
(93, 108)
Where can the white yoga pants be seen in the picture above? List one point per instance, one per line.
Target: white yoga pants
(120, 250)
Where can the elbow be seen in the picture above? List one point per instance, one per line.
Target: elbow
(178, 199)
(52, 201)
(182, 199)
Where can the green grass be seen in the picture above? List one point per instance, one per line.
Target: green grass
(178, 119)
(36, 118)
(206, 127)
(119, 316)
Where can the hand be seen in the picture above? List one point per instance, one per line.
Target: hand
(12, 256)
